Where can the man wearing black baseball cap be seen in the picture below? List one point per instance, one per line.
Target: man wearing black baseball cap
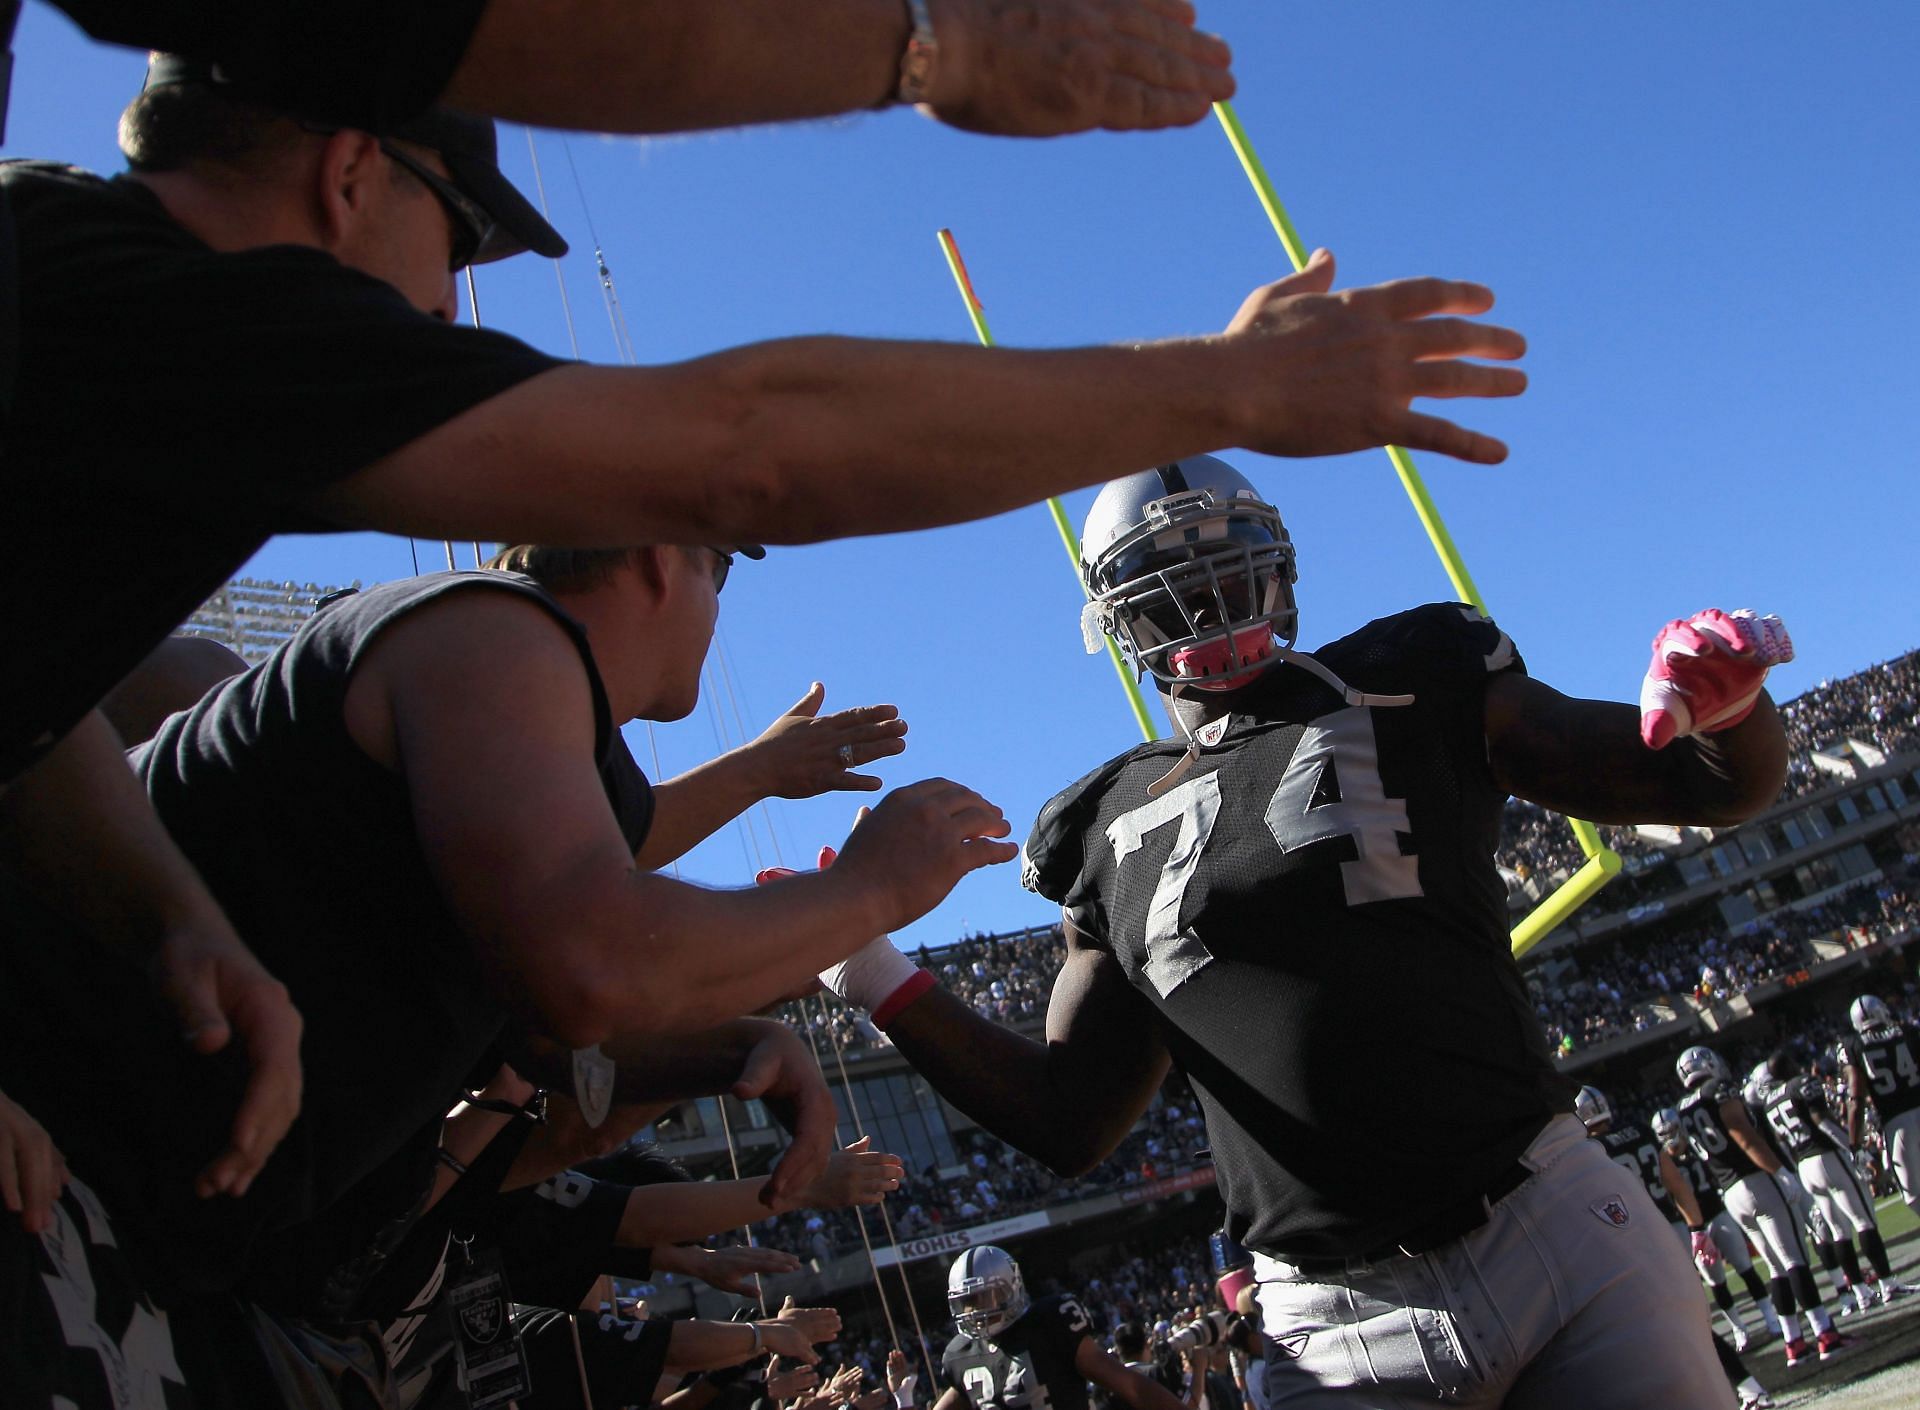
(493, 219)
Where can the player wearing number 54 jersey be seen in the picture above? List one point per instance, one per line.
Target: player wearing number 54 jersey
(1880, 1064)
(1013, 1353)
(1296, 901)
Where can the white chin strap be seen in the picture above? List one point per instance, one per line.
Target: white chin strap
(1213, 731)
(1325, 674)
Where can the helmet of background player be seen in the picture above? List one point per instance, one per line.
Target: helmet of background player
(1666, 1126)
(1190, 571)
(1697, 1065)
(1869, 1012)
(1759, 1085)
(985, 1292)
(1591, 1107)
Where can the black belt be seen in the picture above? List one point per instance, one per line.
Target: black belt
(1455, 1221)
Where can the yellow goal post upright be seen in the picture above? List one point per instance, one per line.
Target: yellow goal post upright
(1602, 863)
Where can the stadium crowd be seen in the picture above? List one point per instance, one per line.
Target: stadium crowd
(1608, 989)
(995, 1181)
(1160, 1282)
(368, 1054)
(1626, 986)
(1873, 705)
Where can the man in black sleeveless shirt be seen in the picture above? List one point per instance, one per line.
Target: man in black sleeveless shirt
(1295, 901)
(423, 808)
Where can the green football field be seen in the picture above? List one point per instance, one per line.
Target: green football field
(1896, 1220)
(1882, 1369)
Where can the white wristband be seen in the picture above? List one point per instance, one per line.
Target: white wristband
(870, 975)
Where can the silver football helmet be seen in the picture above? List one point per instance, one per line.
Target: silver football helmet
(1591, 1107)
(1759, 1085)
(985, 1291)
(1869, 1012)
(1697, 1065)
(1190, 570)
(1666, 1126)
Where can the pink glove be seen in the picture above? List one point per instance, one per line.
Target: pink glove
(1705, 1252)
(1707, 672)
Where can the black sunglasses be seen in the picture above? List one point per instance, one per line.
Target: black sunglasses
(469, 224)
(721, 568)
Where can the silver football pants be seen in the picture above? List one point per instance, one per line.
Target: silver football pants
(1572, 1297)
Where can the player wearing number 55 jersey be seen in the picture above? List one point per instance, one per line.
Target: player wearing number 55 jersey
(1749, 1174)
(1880, 1065)
(1805, 1129)
(1295, 900)
(1012, 1353)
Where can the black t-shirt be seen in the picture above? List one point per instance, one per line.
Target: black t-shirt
(368, 63)
(557, 1238)
(1029, 1366)
(621, 1360)
(173, 406)
(553, 1241)
(1725, 1161)
(1314, 913)
(1886, 1057)
(1633, 1148)
(310, 847)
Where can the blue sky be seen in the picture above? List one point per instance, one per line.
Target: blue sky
(1701, 216)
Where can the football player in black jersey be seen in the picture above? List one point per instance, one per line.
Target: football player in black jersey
(1012, 1353)
(1881, 1068)
(1295, 900)
(1683, 1175)
(1636, 1151)
(1748, 1173)
(1815, 1141)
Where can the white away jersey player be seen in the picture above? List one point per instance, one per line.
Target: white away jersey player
(1029, 1366)
(1314, 913)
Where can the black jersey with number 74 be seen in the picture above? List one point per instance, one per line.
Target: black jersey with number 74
(1314, 914)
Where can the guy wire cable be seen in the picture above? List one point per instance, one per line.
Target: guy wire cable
(573, 336)
(540, 188)
(608, 294)
(886, 1220)
(616, 317)
(846, 1085)
(859, 1211)
(723, 742)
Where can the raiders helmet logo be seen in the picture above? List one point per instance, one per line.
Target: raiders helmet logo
(482, 1319)
(1612, 1210)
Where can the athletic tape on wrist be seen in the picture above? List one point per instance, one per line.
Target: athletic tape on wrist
(898, 1000)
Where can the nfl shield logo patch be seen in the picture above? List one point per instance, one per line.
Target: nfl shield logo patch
(1613, 1210)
